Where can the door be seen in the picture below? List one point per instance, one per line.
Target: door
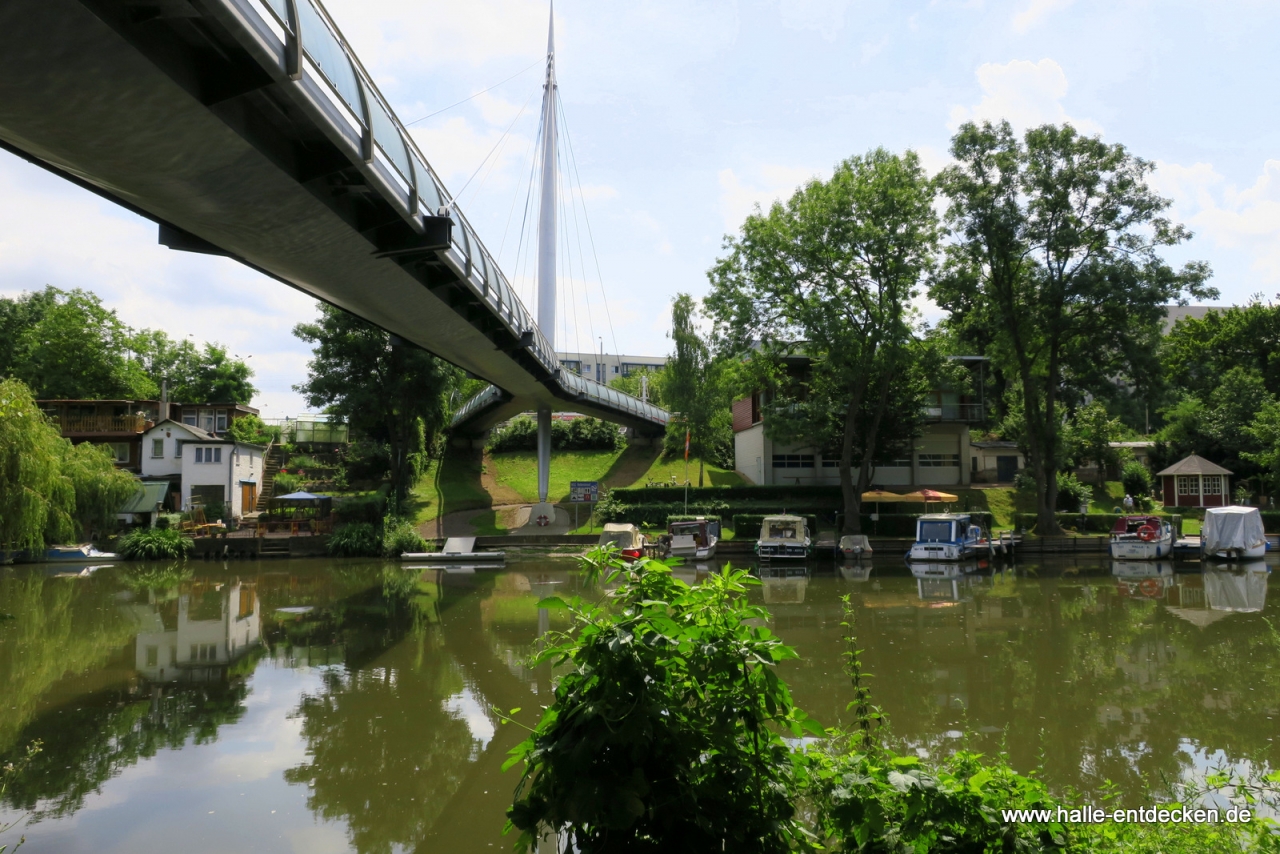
(248, 498)
(1006, 469)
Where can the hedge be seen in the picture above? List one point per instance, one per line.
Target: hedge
(656, 515)
(1095, 523)
(780, 495)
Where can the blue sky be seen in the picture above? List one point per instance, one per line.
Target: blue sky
(683, 115)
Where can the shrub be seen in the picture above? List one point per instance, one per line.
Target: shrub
(251, 430)
(360, 508)
(581, 434)
(399, 536)
(304, 462)
(1071, 492)
(286, 483)
(655, 515)
(154, 544)
(357, 539)
(1136, 479)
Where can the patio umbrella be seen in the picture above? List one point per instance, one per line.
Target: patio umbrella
(928, 496)
(880, 496)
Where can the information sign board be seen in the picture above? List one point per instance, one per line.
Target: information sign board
(584, 491)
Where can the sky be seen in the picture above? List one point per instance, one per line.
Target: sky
(682, 115)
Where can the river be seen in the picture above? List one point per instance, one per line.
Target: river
(322, 706)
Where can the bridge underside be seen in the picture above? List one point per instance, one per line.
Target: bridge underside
(165, 107)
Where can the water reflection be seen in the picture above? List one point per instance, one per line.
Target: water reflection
(360, 697)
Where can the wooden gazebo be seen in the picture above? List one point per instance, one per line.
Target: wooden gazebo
(1196, 482)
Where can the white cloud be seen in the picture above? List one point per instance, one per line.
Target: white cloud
(1035, 12)
(823, 16)
(1237, 219)
(769, 183)
(1023, 92)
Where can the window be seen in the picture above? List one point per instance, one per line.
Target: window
(199, 455)
(208, 455)
(1213, 484)
(120, 450)
(157, 449)
(189, 418)
(830, 464)
(153, 656)
(204, 652)
(899, 463)
(934, 532)
(615, 369)
(177, 449)
(793, 461)
(940, 460)
(206, 420)
(1188, 484)
(222, 421)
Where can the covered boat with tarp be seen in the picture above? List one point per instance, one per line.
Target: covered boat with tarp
(1233, 533)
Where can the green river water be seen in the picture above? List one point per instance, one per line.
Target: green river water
(320, 706)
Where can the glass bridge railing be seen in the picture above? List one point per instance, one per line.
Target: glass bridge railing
(304, 42)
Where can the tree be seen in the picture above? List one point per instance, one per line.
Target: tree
(829, 277)
(1090, 434)
(1198, 351)
(66, 344)
(37, 502)
(195, 375)
(637, 381)
(1220, 425)
(388, 390)
(694, 391)
(250, 430)
(1056, 258)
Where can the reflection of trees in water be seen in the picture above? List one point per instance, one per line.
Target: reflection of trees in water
(1100, 685)
(58, 627)
(88, 744)
(385, 752)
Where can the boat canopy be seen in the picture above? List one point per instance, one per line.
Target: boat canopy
(782, 528)
(940, 527)
(1227, 528)
(624, 535)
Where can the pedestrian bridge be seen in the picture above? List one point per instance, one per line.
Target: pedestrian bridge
(249, 129)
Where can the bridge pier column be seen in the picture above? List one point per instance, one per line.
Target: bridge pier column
(544, 454)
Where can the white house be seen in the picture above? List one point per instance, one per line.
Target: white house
(212, 470)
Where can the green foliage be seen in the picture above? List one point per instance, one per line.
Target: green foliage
(655, 515)
(581, 434)
(1089, 435)
(100, 488)
(356, 539)
(696, 388)
(154, 544)
(286, 483)
(388, 391)
(631, 384)
(66, 344)
(361, 508)
(665, 729)
(836, 268)
(37, 502)
(1136, 478)
(1071, 492)
(1056, 272)
(400, 536)
(302, 461)
(1198, 352)
(1226, 424)
(250, 430)
(8, 772)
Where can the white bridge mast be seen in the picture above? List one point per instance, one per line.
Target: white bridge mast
(547, 257)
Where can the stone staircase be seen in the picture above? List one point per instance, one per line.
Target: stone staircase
(272, 463)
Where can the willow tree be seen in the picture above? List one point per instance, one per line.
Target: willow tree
(1056, 263)
(828, 278)
(37, 500)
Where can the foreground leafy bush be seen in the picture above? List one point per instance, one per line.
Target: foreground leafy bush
(356, 539)
(154, 544)
(665, 736)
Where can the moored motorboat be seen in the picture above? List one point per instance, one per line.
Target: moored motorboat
(625, 537)
(1233, 533)
(1141, 538)
(694, 538)
(784, 537)
(945, 536)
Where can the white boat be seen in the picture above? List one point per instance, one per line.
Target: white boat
(1141, 538)
(456, 550)
(625, 537)
(853, 546)
(1233, 533)
(76, 554)
(694, 538)
(784, 537)
(945, 536)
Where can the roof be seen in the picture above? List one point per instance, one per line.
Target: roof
(148, 497)
(1194, 464)
(1143, 443)
(68, 400)
(202, 435)
(943, 517)
(783, 517)
(241, 406)
(611, 527)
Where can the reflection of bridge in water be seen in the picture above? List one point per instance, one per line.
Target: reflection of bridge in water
(249, 129)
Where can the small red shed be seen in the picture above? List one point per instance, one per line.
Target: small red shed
(1196, 482)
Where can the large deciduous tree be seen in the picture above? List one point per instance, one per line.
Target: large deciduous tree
(695, 392)
(195, 374)
(389, 391)
(829, 276)
(1056, 258)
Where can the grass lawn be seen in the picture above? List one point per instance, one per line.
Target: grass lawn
(518, 471)
(449, 485)
(662, 470)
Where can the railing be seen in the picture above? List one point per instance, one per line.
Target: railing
(591, 390)
(304, 44)
(101, 423)
(966, 412)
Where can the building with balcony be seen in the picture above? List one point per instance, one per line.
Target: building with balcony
(941, 456)
(117, 425)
